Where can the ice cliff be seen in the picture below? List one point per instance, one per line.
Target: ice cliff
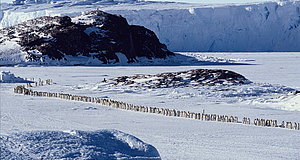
(270, 26)
(258, 27)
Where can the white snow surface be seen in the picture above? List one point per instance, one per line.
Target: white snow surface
(101, 144)
(266, 26)
(8, 77)
(10, 53)
(12, 56)
(274, 76)
(289, 101)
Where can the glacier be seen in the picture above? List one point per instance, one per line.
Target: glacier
(256, 27)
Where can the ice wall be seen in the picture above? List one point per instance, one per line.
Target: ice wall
(262, 27)
(10, 18)
(272, 26)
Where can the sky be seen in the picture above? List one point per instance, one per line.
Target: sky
(192, 1)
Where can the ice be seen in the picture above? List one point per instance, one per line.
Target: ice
(11, 18)
(266, 27)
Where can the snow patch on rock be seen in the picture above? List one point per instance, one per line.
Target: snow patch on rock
(190, 78)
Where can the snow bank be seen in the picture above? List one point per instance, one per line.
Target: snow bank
(290, 102)
(102, 144)
(271, 26)
(8, 77)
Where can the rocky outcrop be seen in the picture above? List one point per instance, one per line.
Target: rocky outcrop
(95, 34)
(196, 77)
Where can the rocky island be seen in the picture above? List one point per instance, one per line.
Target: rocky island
(95, 37)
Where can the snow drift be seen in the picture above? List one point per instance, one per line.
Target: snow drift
(271, 26)
(289, 101)
(102, 144)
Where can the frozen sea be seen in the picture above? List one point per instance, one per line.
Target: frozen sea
(174, 138)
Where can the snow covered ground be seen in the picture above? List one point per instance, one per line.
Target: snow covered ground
(264, 26)
(274, 76)
(102, 144)
(11, 57)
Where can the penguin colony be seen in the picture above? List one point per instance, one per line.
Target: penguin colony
(161, 111)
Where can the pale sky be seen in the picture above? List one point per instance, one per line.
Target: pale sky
(194, 1)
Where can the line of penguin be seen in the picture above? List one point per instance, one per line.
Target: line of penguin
(161, 111)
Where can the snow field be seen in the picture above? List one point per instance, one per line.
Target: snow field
(11, 56)
(174, 138)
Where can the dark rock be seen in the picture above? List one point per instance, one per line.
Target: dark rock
(196, 77)
(65, 21)
(95, 34)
